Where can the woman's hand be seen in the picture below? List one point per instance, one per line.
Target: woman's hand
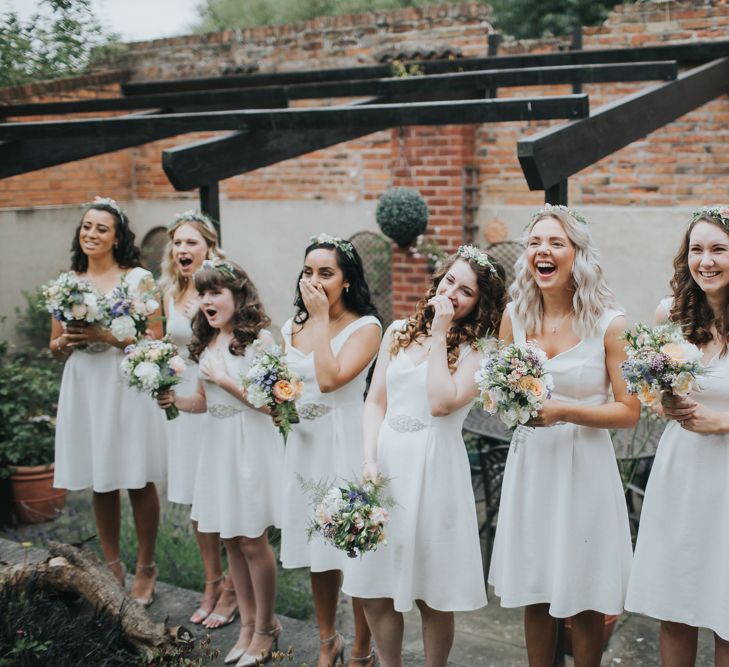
(212, 367)
(369, 471)
(315, 299)
(679, 408)
(443, 315)
(704, 420)
(166, 398)
(551, 413)
(78, 333)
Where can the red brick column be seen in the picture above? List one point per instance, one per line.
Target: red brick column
(431, 160)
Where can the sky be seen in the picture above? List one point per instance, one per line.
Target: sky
(134, 20)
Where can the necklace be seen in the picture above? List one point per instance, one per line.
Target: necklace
(341, 315)
(553, 327)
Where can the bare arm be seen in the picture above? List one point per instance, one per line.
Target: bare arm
(622, 412)
(194, 403)
(375, 406)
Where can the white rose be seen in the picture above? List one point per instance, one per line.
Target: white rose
(151, 305)
(148, 373)
(177, 365)
(682, 384)
(123, 327)
(256, 396)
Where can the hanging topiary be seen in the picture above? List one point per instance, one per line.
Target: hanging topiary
(402, 214)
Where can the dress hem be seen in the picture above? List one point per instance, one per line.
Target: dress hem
(122, 487)
(665, 617)
(555, 613)
(403, 610)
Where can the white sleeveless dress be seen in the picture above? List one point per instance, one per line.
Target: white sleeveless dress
(326, 444)
(236, 485)
(433, 552)
(186, 431)
(108, 435)
(681, 567)
(563, 536)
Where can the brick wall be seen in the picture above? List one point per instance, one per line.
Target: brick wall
(684, 164)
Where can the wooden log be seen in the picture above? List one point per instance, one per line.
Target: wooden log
(71, 569)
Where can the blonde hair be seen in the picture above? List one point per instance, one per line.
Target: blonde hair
(592, 297)
(172, 282)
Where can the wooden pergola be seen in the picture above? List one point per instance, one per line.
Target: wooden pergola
(254, 108)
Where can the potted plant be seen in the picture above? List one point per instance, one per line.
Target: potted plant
(402, 215)
(29, 384)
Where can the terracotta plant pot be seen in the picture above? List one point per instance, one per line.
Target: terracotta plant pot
(610, 622)
(34, 498)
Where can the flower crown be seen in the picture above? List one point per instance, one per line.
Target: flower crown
(107, 201)
(193, 216)
(218, 264)
(477, 255)
(345, 246)
(548, 208)
(718, 213)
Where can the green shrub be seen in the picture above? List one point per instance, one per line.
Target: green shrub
(34, 322)
(402, 214)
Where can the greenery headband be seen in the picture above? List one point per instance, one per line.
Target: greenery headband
(108, 202)
(345, 246)
(551, 208)
(719, 213)
(218, 264)
(194, 216)
(471, 252)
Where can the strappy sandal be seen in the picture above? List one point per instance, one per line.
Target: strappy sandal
(221, 620)
(248, 660)
(338, 641)
(145, 602)
(200, 614)
(111, 564)
(236, 653)
(366, 660)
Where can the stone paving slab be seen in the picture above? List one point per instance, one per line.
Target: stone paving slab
(490, 637)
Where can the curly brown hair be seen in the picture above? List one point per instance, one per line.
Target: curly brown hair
(690, 307)
(483, 320)
(249, 316)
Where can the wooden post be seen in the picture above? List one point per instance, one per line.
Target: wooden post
(210, 204)
(576, 46)
(557, 194)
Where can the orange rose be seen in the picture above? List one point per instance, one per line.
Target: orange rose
(532, 385)
(283, 391)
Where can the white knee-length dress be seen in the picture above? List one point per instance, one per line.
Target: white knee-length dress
(326, 444)
(186, 431)
(108, 435)
(563, 536)
(241, 457)
(681, 566)
(433, 552)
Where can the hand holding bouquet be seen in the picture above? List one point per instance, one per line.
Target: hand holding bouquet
(512, 381)
(660, 360)
(151, 366)
(130, 310)
(71, 299)
(351, 517)
(269, 382)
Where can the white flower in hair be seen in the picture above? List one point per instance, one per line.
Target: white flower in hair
(345, 246)
(476, 255)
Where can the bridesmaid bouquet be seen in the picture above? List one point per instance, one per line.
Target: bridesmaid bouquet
(513, 382)
(351, 518)
(130, 310)
(660, 360)
(151, 366)
(72, 299)
(270, 382)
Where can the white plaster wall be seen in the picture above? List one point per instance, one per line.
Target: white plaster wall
(636, 246)
(266, 237)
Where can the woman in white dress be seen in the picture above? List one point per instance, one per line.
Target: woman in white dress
(193, 239)
(238, 498)
(330, 343)
(107, 436)
(422, 388)
(562, 546)
(681, 569)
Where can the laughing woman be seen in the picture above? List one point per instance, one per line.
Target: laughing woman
(106, 436)
(681, 569)
(192, 239)
(562, 545)
(330, 343)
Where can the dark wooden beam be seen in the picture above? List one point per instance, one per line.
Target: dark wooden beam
(419, 113)
(556, 194)
(683, 53)
(20, 157)
(210, 204)
(558, 152)
(438, 84)
(192, 165)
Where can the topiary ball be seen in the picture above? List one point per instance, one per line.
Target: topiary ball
(402, 215)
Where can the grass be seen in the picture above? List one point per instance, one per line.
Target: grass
(176, 550)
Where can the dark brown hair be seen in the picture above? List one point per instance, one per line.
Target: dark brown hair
(249, 316)
(690, 307)
(484, 319)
